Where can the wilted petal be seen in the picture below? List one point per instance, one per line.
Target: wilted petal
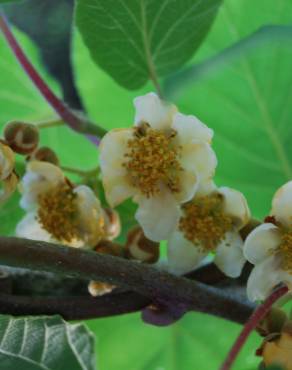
(264, 277)
(235, 205)
(158, 215)
(183, 256)
(113, 148)
(229, 255)
(261, 243)
(190, 128)
(151, 109)
(282, 204)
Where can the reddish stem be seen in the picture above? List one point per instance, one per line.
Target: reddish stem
(72, 119)
(259, 313)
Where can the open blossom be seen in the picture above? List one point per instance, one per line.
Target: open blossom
(269, 247)
(160, 163)
(8, 178)
(56, 210)
(210, 223)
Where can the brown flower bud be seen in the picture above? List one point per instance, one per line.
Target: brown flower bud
(112, 223)
(273, 322)
(45, 154)
(107, 247)
(23, 138)
(140, 248)
(97, 288)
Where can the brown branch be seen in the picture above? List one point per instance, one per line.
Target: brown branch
(144, 280)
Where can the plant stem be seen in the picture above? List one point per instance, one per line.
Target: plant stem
(81, 173)
(251, 324)
(50, 123)
(74, 120)
(143, 279)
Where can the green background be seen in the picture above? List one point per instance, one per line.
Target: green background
(247, 103)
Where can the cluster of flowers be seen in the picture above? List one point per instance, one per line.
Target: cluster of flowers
(166, 164)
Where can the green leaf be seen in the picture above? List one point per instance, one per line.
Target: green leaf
(44, 343)
(248, 102)
(196, 342)
(10, 1)
(135, 41)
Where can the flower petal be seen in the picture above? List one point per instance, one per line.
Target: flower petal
(235, 205)
(158, 215)
(229, 255)
(282, 204)
(199, 158)
(91, 220)
(113, 148)
(190, 128)
(7, 161)
(183, 256)
(264, 277)
(261, 242)
(39, 178)
(30, 228)
(151, 109)
(188, 186)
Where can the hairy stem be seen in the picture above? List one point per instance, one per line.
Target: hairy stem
(74, 120)
(251, 324)
(140, 278)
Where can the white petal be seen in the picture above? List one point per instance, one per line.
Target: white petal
(261, 242)
(200, 158)
(38, 179)
(190, 128)
(229, 255)
(264, 277)
(206, 188)
(158, 215)
(91, 224)
(151, 109)
(113, 148)
(235, 205)
(282, 204)
(30, 228)
(188, 186)
(183, 256)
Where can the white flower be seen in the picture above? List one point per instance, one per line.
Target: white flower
(269, 248)
(160, 162)
(8, 178)
(210, 222)
(56, 210)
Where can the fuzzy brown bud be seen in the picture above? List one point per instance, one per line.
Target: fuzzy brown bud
(23, 138)
(112, 223)
(107, 247)
(140, 248)
(45, 154)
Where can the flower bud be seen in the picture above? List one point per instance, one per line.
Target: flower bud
(112, 223)
(44, 154)
(107, 247)
(273, 322)
(7, 161)
(97, 288)
(140, 248)
(23, 138)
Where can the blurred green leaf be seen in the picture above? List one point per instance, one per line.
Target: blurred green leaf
(196, 342)
(137, 40)
(248, 102)
(10, 1)
(38, 343)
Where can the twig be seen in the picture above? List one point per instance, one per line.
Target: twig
(140, 278)
(251, 324)
(74, 120)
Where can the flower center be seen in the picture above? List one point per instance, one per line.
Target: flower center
(58, 212)
(285, 250)
(153, 160)
(204, 223)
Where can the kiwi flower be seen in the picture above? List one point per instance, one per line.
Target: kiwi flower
(210, 223)
(269, 247)
(8, 178)
(159, 163)
(56, 210)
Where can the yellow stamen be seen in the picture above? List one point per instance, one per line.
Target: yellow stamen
(58, 212)
(204, 223)
(153, 160)
(284, 250)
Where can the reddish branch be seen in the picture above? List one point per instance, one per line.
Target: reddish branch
(73, 120)
(145, 283)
